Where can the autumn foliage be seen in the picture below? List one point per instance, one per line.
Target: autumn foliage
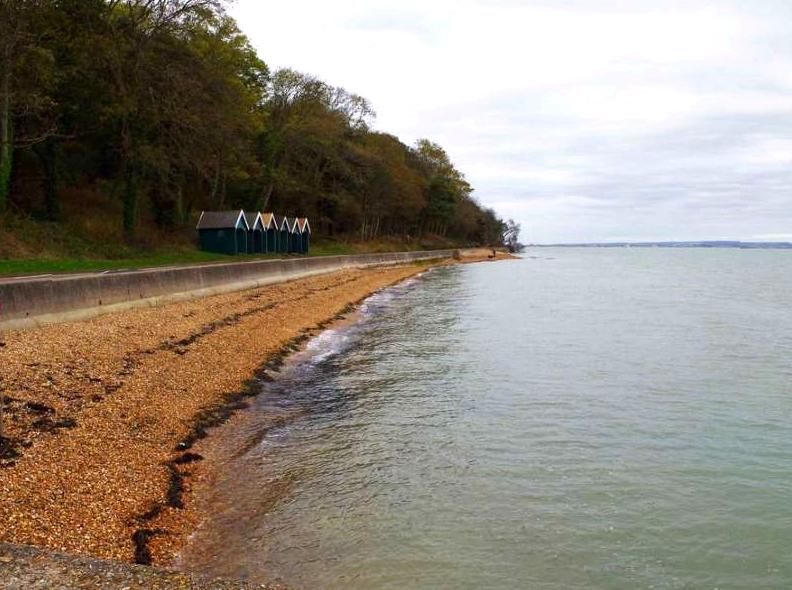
(164, 107)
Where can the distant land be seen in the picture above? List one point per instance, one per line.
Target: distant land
(702, 244)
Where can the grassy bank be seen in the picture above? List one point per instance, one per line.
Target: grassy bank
(95, 242)
(46, 265)
(54, 265)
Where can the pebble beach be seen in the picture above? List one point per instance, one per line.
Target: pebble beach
(101, 416)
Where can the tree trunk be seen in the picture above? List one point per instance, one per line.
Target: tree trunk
(267, 196)
(6, 136)
(48, 155)
(179, 211)
(130, 202)
(216, 182)
(194, 186)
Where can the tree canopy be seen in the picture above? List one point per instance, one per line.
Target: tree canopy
(167, 106)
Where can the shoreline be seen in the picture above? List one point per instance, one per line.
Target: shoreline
(103, 414)
(201, 445)
(233, 436)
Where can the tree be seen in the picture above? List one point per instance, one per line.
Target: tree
(26, 70)
(449, 195)
(71, 32)
(139, 28)
(511, 235)
(165, 103)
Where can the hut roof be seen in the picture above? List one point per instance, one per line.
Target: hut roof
(268, 219)
(303, 225)
(283, 223)
(221, 219)
(291, 224)
(253, 219)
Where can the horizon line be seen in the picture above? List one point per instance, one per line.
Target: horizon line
(668, 242)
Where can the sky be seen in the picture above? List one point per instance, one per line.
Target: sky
(584, 120)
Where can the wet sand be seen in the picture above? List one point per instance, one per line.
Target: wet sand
(101, 415)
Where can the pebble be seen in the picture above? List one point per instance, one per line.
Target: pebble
(122, 391)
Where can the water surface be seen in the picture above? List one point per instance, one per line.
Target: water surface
(580, 418)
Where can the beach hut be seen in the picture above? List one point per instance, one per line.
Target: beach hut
(284, 235)
(224, 232)
(294, 235)
(270, 232)
(255, 243)
(305, 234)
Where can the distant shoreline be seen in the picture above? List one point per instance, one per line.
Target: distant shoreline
(703, 244)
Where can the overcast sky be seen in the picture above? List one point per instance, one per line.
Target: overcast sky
(585, 120)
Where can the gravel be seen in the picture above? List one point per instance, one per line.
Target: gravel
(101, 415)
(98, 410)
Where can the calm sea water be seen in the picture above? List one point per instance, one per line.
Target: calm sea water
(580, 418)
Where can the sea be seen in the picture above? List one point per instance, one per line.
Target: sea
(612, 419)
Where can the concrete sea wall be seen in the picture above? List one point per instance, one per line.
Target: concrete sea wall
(27, 302)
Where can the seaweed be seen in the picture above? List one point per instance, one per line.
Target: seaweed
(8, 451)
(140, 540)
(46, 424)
(38, 408)
(187, 458)
(175, 487)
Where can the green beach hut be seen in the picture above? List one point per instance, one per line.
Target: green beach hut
(294, 236)
(223, 232)
(284, 234)
(255, 237)
(304, 231)
(270, 232)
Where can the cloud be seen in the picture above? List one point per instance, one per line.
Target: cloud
(583, 119)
